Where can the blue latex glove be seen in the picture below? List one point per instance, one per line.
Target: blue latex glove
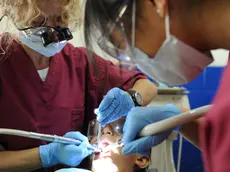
(137, 119)
(71, 155)
(116, 104)
(72, 170)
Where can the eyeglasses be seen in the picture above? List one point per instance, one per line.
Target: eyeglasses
(46, 34)
(93, 127)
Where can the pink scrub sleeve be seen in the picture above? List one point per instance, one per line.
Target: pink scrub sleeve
(215, 130)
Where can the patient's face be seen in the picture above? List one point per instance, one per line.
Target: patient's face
(113, 160)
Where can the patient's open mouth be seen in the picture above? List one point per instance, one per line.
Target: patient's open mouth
(105, 153)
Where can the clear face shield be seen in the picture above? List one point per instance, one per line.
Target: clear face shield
(117, 44)
(115, 128)
(174, 64)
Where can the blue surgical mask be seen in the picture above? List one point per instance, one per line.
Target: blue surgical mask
(35, 43)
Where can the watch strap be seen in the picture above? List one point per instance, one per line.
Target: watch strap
(133, 93)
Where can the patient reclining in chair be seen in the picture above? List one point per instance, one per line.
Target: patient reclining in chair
(112, 160)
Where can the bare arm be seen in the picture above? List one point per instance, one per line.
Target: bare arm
(147, 89)
(26, 160)
(191, 132)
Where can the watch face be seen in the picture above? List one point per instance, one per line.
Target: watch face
(138, 98)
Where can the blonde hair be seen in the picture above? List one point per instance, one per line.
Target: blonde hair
(23, 12)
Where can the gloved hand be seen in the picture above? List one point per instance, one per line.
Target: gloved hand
(137, 119)
(71, 155)
(72, 170)
(116, 104)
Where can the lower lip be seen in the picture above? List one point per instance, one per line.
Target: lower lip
(102, 155)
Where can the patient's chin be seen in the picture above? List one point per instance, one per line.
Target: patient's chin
(104, 165)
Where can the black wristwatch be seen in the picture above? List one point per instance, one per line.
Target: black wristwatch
(137, 98)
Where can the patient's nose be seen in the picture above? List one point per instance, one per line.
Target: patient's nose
(107, 130)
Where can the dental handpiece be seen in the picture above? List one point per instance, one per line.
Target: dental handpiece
(45, 137)
(175, 121)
